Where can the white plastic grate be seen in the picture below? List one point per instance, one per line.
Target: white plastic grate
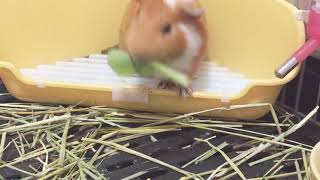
(94, 70)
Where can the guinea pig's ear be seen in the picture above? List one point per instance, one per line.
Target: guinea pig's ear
(191, 8)
(138, 6)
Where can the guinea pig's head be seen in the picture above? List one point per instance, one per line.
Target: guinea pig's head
(155, 31)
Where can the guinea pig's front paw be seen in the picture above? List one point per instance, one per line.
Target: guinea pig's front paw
(182, 90)
(167, 84)
(185, 91)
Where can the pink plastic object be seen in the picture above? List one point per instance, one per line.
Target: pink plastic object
(313, 31)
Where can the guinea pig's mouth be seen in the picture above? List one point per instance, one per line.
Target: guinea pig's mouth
(139, 62)
(139, 59)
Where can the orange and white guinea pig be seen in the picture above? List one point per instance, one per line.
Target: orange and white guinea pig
(173, 32)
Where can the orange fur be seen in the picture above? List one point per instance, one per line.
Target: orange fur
(145, 21)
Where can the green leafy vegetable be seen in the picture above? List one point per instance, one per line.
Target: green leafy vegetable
(169, 73)
(122, 64)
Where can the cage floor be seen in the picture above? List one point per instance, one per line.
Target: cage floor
(95, 70)
(175, 148)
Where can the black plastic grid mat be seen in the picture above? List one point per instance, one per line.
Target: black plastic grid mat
(303, 94)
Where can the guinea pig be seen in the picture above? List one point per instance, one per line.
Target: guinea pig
(173, 32)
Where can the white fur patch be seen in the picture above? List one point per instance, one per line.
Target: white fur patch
(170, 3)
(194, 42)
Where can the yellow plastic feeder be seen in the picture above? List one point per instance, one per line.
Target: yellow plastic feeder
(39, 40)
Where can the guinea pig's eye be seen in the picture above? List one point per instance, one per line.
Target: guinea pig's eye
(166, 29)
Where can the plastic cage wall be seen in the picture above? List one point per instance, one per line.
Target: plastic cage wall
(303, 93)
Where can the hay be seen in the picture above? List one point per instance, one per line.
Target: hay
(58, 139)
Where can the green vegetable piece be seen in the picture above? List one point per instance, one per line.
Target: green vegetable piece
(145, 70)
(175, 76)
(122, 64)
